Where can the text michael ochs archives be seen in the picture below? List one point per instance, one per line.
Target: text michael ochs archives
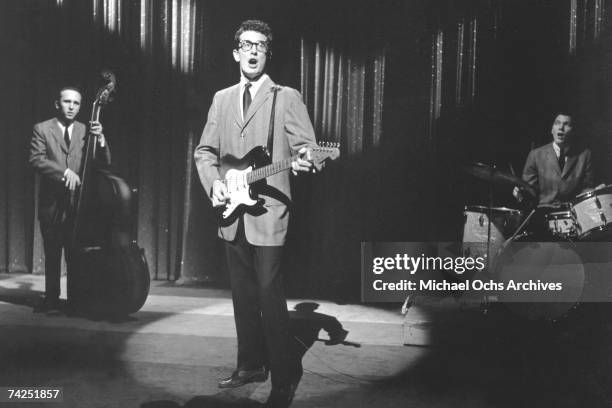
(476, 284)
(392, 271)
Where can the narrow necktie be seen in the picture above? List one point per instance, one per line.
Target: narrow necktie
(561, 159)
(66, 136)
(246, 100)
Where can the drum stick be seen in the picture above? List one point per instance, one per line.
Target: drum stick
(522, 225)
(520, 197)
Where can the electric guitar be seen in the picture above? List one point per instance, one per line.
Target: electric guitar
(240, 174)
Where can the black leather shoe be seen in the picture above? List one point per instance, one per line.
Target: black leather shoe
(281, 397)
(241, 377)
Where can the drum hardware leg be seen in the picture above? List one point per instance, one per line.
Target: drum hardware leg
(519, 229)
(485, 305)
(407, 304)
(598, 203)
(489, 224)
(485, 308)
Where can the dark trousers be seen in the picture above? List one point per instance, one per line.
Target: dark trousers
(260, 307)
(56, 237)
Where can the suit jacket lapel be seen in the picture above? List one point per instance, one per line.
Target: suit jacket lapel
(77, 140)
(262, 96)
(59, 136)
(235, 104)
(552, 158)
(570, 162)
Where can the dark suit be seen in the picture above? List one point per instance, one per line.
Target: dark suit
(254, 241)
(50, 156)
(554, 185)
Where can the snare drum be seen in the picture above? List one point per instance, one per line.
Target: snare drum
(561, 224)
(593, 213)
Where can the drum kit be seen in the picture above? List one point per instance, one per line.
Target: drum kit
(497, 235)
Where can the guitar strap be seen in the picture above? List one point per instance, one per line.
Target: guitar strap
(271, 128)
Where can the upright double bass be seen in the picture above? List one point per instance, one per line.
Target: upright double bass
(108, 275)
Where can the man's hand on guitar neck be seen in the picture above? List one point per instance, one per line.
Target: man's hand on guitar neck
(303, 161)
(219, 195)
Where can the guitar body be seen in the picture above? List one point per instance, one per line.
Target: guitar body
(242, 176)
(242, 194)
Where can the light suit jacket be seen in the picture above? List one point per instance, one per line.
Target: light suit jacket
(226, 133)
(50, 156)
(553, 185)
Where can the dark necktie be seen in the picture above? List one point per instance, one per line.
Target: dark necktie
(561, 159)
(246, 100)
(66, 136)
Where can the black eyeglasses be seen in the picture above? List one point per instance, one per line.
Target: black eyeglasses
(246, 46)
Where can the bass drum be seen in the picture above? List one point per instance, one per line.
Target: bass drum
(541, 280)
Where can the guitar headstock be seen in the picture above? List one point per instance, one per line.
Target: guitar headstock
(323, 152)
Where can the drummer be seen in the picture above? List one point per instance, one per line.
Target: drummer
(560, 170)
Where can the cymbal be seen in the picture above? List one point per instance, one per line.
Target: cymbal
(493, 175)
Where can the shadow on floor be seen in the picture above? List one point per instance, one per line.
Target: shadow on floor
(207, 401)
(305, 327)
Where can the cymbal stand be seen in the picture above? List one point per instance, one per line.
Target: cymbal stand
(490, 216)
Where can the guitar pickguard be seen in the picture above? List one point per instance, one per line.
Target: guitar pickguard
(239, 191)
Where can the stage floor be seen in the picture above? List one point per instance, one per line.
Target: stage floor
(171, 353)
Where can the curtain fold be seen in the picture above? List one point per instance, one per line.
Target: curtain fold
(170, 57)
(343, 89)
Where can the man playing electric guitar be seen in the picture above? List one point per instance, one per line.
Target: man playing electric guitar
(239, 120)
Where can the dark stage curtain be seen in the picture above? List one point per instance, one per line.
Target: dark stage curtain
(169, 58)
(408, 89)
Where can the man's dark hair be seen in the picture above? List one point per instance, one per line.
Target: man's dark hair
(254, 25)
(68, 88)
(565, 112)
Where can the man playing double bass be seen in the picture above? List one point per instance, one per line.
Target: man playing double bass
(56, 153)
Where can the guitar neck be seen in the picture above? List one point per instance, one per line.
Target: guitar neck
(269, 170)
